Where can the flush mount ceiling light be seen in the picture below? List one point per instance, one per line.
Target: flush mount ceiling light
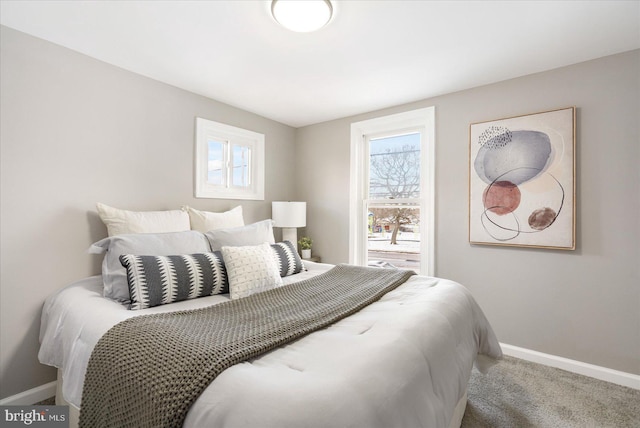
(302, 16)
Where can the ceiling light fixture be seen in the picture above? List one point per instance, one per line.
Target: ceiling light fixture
(302, 16)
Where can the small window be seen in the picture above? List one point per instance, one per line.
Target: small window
(229, 162)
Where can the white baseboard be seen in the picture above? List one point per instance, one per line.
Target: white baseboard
(609, 375)
(31, 396)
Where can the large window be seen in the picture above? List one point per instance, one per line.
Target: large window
(392, 191)
(229, 162)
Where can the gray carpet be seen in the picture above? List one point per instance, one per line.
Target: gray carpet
(48, 402)
(517, 393)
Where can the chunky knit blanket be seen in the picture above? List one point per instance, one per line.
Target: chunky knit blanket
(147, 371)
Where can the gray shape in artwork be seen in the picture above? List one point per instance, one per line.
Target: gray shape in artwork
(526, 156)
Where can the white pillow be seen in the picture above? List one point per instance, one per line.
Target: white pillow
(251, 234)
(205, 221)
(251, 269)
(121, 222)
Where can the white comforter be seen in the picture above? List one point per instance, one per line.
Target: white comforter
(403, 361)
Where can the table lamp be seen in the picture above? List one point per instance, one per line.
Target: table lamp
(289, 216)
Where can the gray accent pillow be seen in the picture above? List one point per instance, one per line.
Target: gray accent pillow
(114, 274)
(159, 280)
(289, 261)
(251, 234)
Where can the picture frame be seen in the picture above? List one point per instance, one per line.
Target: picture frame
(522, 180)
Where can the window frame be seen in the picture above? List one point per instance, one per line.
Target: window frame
(229, 136)
(422, 121)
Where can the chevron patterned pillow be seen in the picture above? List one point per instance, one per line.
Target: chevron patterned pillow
(289, 262)
(158, 280)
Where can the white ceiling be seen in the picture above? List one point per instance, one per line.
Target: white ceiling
(373, 54)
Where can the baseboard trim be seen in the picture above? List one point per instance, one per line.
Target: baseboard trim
(31, 396)
(602, 373)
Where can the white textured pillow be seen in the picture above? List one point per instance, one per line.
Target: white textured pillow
(251, 269)
(204, 221)
(121, 222)
(251, 234)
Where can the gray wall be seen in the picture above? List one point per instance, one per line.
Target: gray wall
(583, 304)
(76, 131)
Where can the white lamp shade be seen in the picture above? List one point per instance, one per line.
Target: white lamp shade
(289, 214)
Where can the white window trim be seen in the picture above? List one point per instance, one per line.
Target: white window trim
(208, 129)
(422, 120)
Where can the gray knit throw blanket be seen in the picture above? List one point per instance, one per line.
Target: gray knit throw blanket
(148, 370)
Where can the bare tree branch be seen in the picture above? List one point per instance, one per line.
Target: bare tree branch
(395, 175)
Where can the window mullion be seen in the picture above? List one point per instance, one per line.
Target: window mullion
(228, 163)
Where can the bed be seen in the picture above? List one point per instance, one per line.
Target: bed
(402, 361)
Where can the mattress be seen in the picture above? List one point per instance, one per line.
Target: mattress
(405, 360)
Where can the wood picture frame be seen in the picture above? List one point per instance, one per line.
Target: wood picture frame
(522, 181)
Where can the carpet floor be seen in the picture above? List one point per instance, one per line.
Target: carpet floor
(518, 393)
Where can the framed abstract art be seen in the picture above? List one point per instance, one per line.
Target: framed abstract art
(522, 181)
